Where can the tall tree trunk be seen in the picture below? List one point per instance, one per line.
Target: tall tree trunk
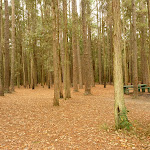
(110, 44)
(74, 45)
(125, 55)
(62, 53)
(99, 50)
(104, 52)
(33, 45)
(144, 60)
(32, 71)
(25, 68)
(58, 47)
(89, 44)
(90, 56)
(35, 62)
(118, 74)
(67, 66)
(134, 60)
(13, 48)
(107, 55)
(111, 51)
(42, 76)
(7, 78)
(85, 49)
(79, 66)
(1, 60)
(55, 58)
(130, 53)
(148, 4)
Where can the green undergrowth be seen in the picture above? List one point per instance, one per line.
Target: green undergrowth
(124, 123)
(142, 132)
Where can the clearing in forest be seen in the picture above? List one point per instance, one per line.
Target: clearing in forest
(28, 120)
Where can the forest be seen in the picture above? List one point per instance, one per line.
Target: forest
(75, 74)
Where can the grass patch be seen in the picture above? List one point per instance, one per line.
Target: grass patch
(104, 126)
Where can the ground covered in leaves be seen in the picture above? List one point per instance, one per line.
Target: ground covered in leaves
(29, 121)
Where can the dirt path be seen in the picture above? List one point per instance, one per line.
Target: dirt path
(29, 121)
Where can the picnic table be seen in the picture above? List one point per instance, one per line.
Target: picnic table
(126, 88)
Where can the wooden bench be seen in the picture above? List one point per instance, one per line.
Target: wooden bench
(143, 89)
(127, 91)
(127, 88)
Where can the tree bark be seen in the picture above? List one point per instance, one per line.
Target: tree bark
(58, 48)
(104, 53)
(99, 51)
(79, 66)
(144, 58)
(32, 70)
(89, 44)
(6, 29)
(118, 74)
(134, 60)
(1, 60)
(148, 5)
(67, 68)
(13, 49)
(130, 53)
(110, 44)
(25, 68)
(55, 58)
(125, 55)
(85, 49)
(74, 45)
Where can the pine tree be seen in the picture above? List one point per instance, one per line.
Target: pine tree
(89, 41)
(85, 51)
(144, 58)
(99, 46)
(55, 57)
(134, 60)
(6, 30)
(125, 54)
(120, 110)
(74, 45)
(1, 60)
(67, 66)
(148, 5)
(13, 48)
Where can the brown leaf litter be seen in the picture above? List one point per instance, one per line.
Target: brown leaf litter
(29, 121)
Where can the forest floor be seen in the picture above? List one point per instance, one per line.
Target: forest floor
(28, 121)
